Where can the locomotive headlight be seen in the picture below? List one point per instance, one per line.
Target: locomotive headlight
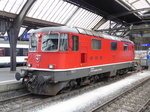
(51, 66)
(29, 65)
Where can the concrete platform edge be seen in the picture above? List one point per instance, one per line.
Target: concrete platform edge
(10, 85)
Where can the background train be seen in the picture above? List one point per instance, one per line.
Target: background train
(142, 56)
(22, 51)
(64, 57)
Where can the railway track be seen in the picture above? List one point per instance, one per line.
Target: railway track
(21, 100)
(18, 102)
(8, 95)
(146, 108)
(135, 99)
(29, 102)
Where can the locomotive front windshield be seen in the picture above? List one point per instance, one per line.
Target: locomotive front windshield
(54, 42)
(50, 42)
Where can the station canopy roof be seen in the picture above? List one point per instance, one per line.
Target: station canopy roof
(78, 13)
(57, 11)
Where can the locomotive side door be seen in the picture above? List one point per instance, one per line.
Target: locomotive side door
(83, 51)
(74, 48)
(114, 48)
(79, 51)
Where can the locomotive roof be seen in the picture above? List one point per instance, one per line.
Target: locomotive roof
(80, 31)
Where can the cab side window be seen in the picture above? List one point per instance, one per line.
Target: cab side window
(96, 44)
(75, 43)
(126, 47)
(114, 46)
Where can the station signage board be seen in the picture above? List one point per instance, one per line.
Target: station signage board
(145, 44)
(25, 36)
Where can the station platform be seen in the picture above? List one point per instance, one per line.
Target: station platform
(8, 81)
(7, 75)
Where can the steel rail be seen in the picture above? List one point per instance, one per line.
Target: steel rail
(22, 95)
(144, 106)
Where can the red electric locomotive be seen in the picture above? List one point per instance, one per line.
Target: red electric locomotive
(61, 57)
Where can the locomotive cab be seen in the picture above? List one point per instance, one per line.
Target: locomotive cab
(48, 54)
(46, 49)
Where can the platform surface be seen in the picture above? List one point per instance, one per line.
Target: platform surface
(8, 81)
(6, 75)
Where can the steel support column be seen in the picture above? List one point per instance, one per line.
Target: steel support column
(13, 32)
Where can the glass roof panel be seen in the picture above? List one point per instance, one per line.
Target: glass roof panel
(9, 5)
(34, 8)
(64, 9)
(75, 17)
(141, 4)
(20, 6)
(89, 19)
(50, 9)
(84, 19)
(54, 11)
(68, 14)
(131, 1)
(57, 11)
(95, 20)
(21, 31)
(38, 11)
(78, 18)
(137, 4)
(45, 8)
(3, 3)
(13, 6)
(105, 25)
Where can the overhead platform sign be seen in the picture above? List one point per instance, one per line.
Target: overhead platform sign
(145, 44)
(25, 36)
